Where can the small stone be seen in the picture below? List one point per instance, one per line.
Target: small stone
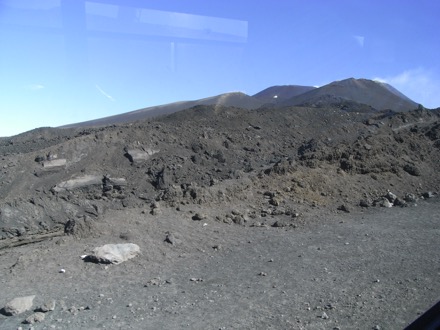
(279, 224)
(376, 327)
(428, 194)
(169, 238)
(412, 170)
(34, 318)
(73, 310)
(269, 194)
(236, 212)
(262, 274)
(385, 203)
(154, 282)
(390, 196)
(198, 216)
(324, 316)
(410, 198)
(400, 202)
(47, 306)
(18, 305)
(274, 201)
(344, 208)
(156, 211)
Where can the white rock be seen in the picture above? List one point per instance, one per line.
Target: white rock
(115, 253)
(54, 163)
(19, 305)
(79, 182)
(138, 155)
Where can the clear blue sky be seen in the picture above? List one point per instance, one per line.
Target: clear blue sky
(66, 61)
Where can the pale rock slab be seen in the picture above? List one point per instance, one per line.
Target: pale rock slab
(114, 253)
(19, 305)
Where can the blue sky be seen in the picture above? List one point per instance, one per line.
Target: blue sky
(65, 61)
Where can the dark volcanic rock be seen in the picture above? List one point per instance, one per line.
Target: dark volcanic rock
(411, 169)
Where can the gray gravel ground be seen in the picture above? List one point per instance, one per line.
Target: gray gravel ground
(376, 269)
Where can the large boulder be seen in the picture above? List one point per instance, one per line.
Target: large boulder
(18, 305)
(114, 253)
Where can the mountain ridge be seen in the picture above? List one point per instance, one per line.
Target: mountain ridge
(349, 94)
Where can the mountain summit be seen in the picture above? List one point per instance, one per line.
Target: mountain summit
(378, 95)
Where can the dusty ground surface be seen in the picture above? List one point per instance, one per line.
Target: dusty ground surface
(365, 269)
(300, 218)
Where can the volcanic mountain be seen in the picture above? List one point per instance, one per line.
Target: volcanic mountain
(359, 95)
(378, 95)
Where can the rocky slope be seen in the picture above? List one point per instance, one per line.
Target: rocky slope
(272, 160)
